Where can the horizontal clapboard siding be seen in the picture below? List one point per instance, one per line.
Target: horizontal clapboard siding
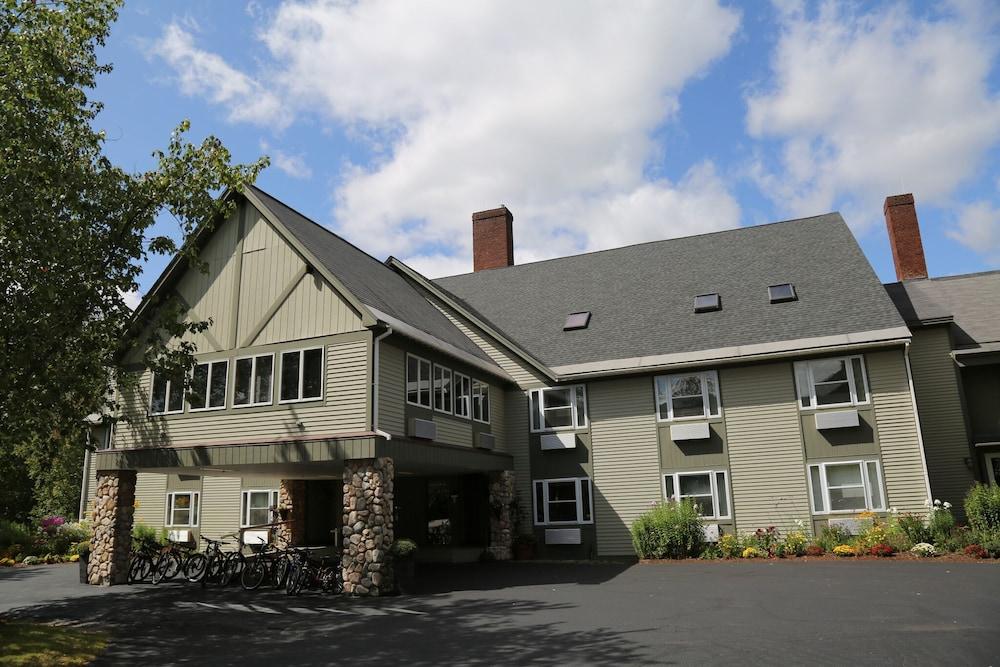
(392, 389)
(516, 409)
(766, 463)
(151, 496)
(220, 506)
(902, 459)
(451, 431)
(625, 458)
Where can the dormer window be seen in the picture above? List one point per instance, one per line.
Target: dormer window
(577, 321)
(705, 303)
(781, 293)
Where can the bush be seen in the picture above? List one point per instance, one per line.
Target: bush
(795, 543)
(832, 536)
(7, 562)
(940, 521)
(914, 528)
(982, 506)
(753, 552)
(924, 550)
(844, 550)
(12, 533)
(766, 541)
(669, 530)
(882, 550)
(143, 534)
(815, 550)
(990, 542)
(729, 546)
(975, 551)
(31, 560)
(403, 548)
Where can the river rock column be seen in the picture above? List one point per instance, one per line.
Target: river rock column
(501, 519)
(292, 504)
(111, 538)
(368, 526)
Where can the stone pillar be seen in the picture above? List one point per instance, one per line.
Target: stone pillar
(501, 514)
(292, 506)
(368, 534)
(111, 540)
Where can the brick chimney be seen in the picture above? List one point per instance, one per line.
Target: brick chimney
(492, 239)
(904, 237)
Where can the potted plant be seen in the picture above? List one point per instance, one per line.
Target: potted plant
(524, 546)
(83, 551)
(404, 557)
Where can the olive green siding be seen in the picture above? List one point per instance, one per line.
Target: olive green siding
(902, 458)
(942, 420)
(626, 459)
(982, 397)
(151, 494)
(220, 506)
(89, 487)
(710, 454)
(516, 412)
(843, 442)
(767, 469)
(392, 389)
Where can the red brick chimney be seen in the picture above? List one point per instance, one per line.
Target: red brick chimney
(904, 237)
(492, 239)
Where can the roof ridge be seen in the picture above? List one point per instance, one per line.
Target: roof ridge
(645, 243)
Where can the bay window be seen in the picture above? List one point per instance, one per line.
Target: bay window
(687, 396)
(418, 381)
(480, 402)
(182, 508)
(846, 486)
(831, 382)
(463, 395)
(558, 408)
(253, 380)
(563, 501)
(442, 389)
(708, 490)
(302, 375)
(208, 386)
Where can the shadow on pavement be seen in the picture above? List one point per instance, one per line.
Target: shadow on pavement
(434, 578)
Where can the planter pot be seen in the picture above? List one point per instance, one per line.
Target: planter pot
(524, 551)
(84, 559)
(404, 570)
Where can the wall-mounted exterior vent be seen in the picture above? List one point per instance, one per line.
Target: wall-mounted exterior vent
(577, 321)
(781, 293)
(424, 429)
(485, 440)
(705, 303)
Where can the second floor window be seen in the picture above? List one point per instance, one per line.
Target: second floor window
(167, 395)
(302, 375)
(463, 395)
(831, 382)
(480, 402)
(182, 508)
(253, 380)
(442, 389)
(418, 381)
(557, 408)
(208, 386)
(687, 396)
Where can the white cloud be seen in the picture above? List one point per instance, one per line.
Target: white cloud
(132, 298)
(978, 228)
(547, 107)
(292, 165)
(865, 105)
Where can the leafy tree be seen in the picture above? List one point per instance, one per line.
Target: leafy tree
(74, 231)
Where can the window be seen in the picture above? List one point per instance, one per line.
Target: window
(182, 508)
(253, 380)
(208, 386)
(442, 389)
(688, 396)
(577, 321)
(831, 382)
(781, 293)
(302, 375)
(558, 408)
(563, 501)
(707, 489)
(846, 486)
(463, 395)
(704, 303)
(418, 381)
(167, 396)
(480, 402)
(257, 506)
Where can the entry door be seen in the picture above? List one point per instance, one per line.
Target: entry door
(993, 468)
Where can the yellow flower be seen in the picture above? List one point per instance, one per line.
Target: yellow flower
(868, 514)
(844, 550)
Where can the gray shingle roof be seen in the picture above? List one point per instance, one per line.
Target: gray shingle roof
(371, 281)
(642, 296)
(973, 300)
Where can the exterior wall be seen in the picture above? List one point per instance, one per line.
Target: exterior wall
(151, 499)
(982, 396)
(220, 511)
(942, 417)
(392, 389)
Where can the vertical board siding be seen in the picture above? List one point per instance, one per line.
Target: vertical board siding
(392, 389)
(266, 272)
(220, 506)
(625, 457)
(312, 309)
(151, 496)
(518, 442)
(766, 460)
(942, 420)
(902, 458)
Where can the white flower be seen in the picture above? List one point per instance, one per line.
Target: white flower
(947, 505)
(937, 502)
(893, 510)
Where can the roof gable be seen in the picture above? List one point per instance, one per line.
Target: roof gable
(971, 301)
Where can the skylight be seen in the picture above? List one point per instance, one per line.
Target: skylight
(781, 293)
(577, 321)
(704, 303)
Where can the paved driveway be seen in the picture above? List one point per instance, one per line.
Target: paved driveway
(683, 613)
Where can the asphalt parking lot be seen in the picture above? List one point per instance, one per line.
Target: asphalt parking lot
(867, 612)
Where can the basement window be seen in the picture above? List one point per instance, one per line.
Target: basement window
(704, 303)
(781, 293)
(577, 321)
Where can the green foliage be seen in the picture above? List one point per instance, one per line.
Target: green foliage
(14, 533)
(766, 541)
(915, 529)
(143, 534)
(990, 542)
(795, 544)
(403, 548)
(729, 546)
(982, 507)
(940, 522)
(831, 537)
(669, 530)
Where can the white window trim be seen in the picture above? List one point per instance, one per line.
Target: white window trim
(302, 375)
(448, 409)
(706, 405)
(806, 366)
(535, 403)
(195, 505)
(245, 504)
(166, 398)
(208, 386)
(472, 401)
(712, 476)
(863, 463)
(430, 381)
(456, 395)
(253, 380)
(545, 501)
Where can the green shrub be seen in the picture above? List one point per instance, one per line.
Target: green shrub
(982, 506)
(832, 536)
(669, 530)
(14, 533)
(915, 529)
(990, 542)
(795, 544)
(141, 533)
(940, 521)
(403, 548)
(729, 546)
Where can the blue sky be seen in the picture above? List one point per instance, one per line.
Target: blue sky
(391, 122)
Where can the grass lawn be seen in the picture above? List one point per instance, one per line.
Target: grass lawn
(39, 644)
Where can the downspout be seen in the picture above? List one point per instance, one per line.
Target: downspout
(375, 374)
(916, 418)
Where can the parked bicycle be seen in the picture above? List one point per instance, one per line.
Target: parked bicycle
(171, 561)
(143, 559)
(306, 572)
(208, 565)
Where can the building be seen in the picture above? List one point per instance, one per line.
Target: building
(762, 371)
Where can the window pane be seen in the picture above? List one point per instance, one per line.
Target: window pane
(438, 388)
(585, 498)
(829, 370)
(712, 390)
(694, 485)
(723, 493)
(562, 491)
(556, 398)
(668, 485)
(182, 501)
(159, 398)
(198, 392)
(661, 397)
(581, 406)
(175, 401)
(802, 382)
(562, 511)
(194, 511)
(312, 369)
(425, 383)
(685, 385)
(848, 474)
(835, 392)
(558, 417)
(690, 406)
(446, 391)
(289, 376)
(539, 503)
(262, 379)
(462, 396)
(245, 510)
(244, 369)
(851, 498)
(874, 489)
(258, 517)
(412, 378)
(217, 392)
(704, 505)
(486, 402)
(859, 380)
(534, 407)
(817, 489)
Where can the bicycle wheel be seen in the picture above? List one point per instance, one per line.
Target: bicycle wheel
(296, 576)
(195, 567)
(166, 567)
(216, 569)
(279, 571)
(139, 569)
(254, 573)
(330, 580)
(233, 567)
